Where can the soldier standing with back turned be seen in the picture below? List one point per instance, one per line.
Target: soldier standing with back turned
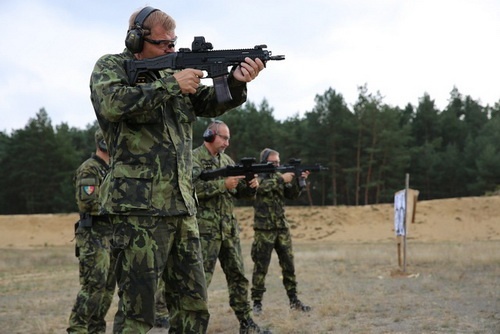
(93, 236)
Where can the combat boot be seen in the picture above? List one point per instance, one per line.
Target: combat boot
(257, 308)
(248, 326)
(296, 304)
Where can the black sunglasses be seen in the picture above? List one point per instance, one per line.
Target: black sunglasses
(164, 43)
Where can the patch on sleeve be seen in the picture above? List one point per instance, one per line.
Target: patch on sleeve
(89, 190)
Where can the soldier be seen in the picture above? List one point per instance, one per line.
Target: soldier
(219, 229)
(272, 232)
(93, 235)
(149, 193)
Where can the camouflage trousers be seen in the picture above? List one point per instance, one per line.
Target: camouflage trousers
(161, 308)
(265, 241)
(228, 251)
(97, 279)
(150, 249)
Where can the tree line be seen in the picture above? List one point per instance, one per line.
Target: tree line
(368, 148)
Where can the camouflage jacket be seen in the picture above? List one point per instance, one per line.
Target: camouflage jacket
(148, 130)
(216, 204)
(269, 205)
(87, 180)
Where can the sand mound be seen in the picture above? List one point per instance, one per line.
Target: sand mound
(456, 219)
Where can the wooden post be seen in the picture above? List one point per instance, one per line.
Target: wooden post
(398, 241)
(407, 186)
(405, 205)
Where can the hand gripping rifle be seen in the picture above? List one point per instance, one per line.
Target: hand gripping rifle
(247, 167)
(201, 57)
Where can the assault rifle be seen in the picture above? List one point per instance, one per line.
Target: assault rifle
(294, 166)
(201, 57)
(247, 167)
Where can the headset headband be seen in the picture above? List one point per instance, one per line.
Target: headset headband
(266, 154)
(142, 16)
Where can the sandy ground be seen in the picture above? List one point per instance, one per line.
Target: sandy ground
(458, 219)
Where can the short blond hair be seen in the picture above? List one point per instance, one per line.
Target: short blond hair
(155, 18)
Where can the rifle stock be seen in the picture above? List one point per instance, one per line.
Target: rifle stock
(201, 57)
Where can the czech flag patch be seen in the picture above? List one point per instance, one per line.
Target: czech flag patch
(89, 190)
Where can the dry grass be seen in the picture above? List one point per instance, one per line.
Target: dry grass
(346, 267)
(449, 287)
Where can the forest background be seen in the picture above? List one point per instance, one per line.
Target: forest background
(368, 148)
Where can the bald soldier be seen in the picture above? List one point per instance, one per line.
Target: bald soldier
(219, 229)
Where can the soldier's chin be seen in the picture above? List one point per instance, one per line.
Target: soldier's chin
(221, 150)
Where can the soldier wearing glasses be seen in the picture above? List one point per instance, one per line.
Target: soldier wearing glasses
(148, 193)
(219, 229)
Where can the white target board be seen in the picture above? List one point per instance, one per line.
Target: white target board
(400, 213)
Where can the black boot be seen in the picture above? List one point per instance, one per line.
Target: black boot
(248, 326)
(162, 322)
(296, 304)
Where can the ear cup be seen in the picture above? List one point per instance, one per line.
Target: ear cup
(135, 36)
(102, 145)
(209, 136)
(134, 41)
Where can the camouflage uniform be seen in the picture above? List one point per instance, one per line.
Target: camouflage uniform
(272, 231)
(97, 278)
(149, 192)
(162, 319)
(219, 229)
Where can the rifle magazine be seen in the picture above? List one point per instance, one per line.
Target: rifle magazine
(222, 89)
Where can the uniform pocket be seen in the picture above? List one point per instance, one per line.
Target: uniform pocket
(204, 226)
(132, 187)
(151, 117)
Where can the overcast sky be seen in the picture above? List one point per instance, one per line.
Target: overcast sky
(400, 48)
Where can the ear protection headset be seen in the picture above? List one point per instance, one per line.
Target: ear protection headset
(209, 134)
(265, 154)
(135, 36)
(102, 145)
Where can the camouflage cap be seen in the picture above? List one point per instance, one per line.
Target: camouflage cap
(99, 140)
